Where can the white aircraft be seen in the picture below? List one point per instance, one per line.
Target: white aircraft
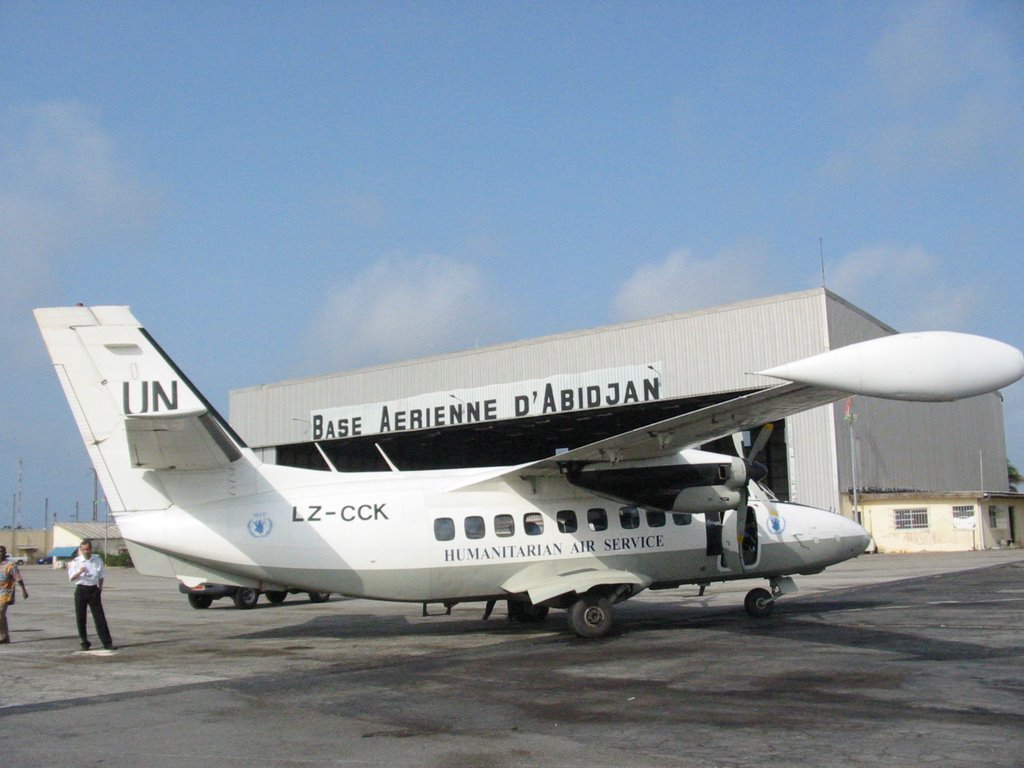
(579, 531)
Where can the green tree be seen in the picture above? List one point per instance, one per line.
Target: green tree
(1014, 476)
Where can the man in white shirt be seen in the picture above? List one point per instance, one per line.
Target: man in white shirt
(87, 571)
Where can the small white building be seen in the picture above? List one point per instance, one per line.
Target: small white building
(941, 522)
(106, 538)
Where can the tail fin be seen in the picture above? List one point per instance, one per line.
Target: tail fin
(136, 410)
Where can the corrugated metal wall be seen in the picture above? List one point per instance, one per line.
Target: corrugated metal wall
(916, 446)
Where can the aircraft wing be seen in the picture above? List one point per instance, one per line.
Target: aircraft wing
(935, 366)
(701, 426)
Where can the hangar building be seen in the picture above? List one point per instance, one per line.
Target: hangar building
(525, 400)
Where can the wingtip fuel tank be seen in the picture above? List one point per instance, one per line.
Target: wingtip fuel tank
(931, 366)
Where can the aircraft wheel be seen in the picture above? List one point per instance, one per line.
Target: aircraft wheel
(319, 597)
(200, 601)
(245, 598)
(591, 616)
(276, 597)
(759, 603)
(526, 613)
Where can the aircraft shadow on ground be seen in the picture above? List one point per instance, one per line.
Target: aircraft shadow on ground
(907, 618)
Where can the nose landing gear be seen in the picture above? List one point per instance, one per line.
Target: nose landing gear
(760, 602)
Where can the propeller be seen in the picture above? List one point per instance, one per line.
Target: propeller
(755, 473)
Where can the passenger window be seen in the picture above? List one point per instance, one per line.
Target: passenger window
(655, 518)
(566, 521)
(504, 525)
(597, 519)
(682, 518)
(629, 517)
(533, 524)
(444, 529)
(475, 527)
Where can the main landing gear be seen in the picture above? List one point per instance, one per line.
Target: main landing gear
(591, 616)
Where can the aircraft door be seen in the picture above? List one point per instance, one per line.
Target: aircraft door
(730, 559)
(750, 546)
(738, 552)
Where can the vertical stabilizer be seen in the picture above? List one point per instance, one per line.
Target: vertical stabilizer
(142, 421)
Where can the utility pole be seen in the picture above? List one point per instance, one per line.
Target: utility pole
(849, 417)
(95, 495)
(14, 515)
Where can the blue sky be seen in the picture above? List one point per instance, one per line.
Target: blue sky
(287, 189)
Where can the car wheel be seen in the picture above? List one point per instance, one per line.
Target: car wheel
(246, 598)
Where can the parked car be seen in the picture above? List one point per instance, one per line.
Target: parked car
(44, 561)
(243, 597)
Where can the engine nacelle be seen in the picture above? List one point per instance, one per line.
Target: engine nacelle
(689, 481)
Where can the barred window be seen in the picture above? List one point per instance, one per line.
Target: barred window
(963, 516)
(908, 519)
(964, 512)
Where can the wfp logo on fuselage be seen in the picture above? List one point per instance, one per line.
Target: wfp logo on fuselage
(149, 397)
(776, 523)
(260, 525)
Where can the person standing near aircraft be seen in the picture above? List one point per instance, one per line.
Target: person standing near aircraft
(88, 571)
(9, 574)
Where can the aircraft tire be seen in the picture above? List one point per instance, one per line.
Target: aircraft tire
(759, 603)
(591, 616)
(276, 597)
(319, 597)
(200, 601)
(246, 598)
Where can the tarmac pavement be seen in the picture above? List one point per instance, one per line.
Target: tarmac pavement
(887, 660)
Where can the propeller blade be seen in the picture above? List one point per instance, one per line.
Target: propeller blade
(761, 441)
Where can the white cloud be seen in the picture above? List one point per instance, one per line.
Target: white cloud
(684, 282)
(905, 287)
(941, 92)
(406, 307)
(63, 188)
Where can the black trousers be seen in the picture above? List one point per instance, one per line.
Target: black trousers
(90, 596)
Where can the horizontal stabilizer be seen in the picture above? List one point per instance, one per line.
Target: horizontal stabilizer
(179, 441)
